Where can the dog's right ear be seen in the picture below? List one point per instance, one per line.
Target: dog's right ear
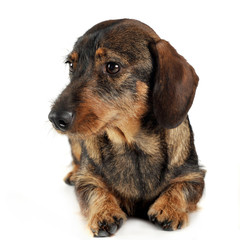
(174, 85)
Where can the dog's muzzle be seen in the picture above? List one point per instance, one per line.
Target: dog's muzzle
(61, 120)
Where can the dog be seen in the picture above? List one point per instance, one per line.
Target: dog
(125, 115)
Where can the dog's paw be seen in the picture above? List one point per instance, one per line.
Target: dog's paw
(105, 224)
(167, 217)
(69, 179)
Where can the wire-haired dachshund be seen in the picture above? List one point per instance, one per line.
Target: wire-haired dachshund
(125, 114)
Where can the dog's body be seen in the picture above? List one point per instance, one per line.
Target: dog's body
(125, 113)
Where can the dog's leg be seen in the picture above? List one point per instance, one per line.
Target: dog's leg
(101, 208)
(170, 210)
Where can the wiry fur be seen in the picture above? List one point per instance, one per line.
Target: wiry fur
(132, 142)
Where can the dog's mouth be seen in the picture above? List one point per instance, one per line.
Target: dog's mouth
(86, 129)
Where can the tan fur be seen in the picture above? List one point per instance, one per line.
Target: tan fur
(142, 89)
(104, 55)
(71, 176)
(87, 179)
(103, 207)
(191, 177)
(126, 127)
(76, 148)
(93, 115)
(171, 206)
(74, 56)
(178, 140)
(116, 135)
(100, 52)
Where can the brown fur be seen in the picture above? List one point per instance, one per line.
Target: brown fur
(131, 139)
(176, 83)
(178, 140)
(170, 209)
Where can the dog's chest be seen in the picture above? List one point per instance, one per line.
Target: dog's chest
(131, 172)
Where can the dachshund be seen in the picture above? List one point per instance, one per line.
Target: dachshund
(125, 115)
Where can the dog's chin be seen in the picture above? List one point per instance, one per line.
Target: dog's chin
(59, 131)
(85, 134)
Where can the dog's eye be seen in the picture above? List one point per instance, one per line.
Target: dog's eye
(70, 65)
(112, 67)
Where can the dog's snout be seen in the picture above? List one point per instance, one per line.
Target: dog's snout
(61, 120)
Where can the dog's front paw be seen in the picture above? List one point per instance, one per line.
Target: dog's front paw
(106, 223)
(167, 217)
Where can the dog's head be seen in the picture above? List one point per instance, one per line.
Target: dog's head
(119, 71)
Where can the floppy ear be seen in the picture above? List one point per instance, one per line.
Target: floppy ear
(175, 83)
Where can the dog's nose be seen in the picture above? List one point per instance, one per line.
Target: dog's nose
(61, 120)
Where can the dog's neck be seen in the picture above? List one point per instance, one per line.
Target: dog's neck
(124, 131)
(133, 132)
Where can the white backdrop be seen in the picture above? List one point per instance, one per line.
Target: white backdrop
(35, 38)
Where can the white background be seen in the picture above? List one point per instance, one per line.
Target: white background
(35, 38)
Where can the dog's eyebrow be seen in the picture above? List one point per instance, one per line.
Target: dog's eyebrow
(100, 51)
(73, 57)
(110, 55)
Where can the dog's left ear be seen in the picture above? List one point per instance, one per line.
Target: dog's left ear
(175, 83)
